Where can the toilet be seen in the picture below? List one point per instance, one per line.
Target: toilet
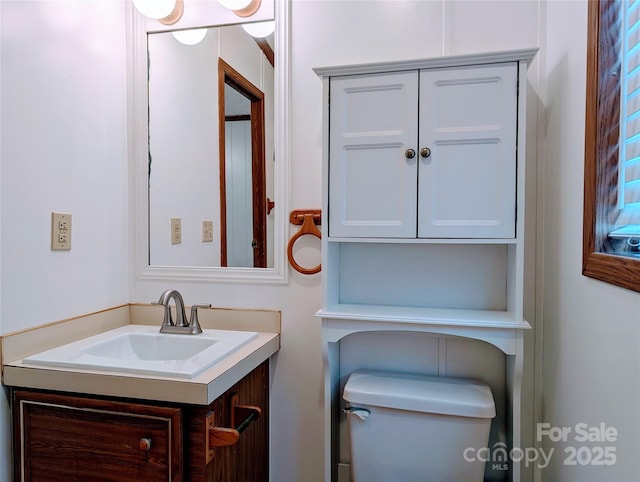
(417, 428)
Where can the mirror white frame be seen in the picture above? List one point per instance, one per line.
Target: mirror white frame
(138, 132)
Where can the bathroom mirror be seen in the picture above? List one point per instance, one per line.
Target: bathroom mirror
(211, 150)
(210, 178)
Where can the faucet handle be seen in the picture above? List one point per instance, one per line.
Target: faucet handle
(194, 323)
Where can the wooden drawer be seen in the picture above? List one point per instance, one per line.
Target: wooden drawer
(60, 438)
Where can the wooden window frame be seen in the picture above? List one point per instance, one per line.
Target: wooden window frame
(601, 152)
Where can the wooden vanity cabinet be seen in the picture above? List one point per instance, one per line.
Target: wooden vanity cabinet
(248, 459)
(67, 438)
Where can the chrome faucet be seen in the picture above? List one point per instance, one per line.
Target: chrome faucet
(180, 325)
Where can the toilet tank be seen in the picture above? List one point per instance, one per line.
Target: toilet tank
(417, 428)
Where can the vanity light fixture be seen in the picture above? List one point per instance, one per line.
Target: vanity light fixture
(191, 36)
(235, 4)
(259, 29)
(166, 12)
(242, 8)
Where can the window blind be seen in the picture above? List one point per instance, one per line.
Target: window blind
(629, 173)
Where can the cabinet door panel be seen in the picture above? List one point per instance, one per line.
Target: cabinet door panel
(467, 186)
(72, 439)
(372, 185)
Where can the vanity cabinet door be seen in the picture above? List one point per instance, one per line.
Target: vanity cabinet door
(66, 439)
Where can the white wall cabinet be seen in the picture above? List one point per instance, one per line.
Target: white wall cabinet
(427, 153)
(424, 190)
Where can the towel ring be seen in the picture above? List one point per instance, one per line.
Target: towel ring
(308, 219)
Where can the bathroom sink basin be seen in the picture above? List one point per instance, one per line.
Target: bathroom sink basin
(142, 349)
(150, 346)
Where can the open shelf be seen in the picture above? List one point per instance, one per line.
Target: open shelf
(424, 315)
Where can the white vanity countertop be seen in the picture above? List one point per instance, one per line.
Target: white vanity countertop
(201, 390)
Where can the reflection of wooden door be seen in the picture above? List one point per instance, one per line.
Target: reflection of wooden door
(230, 78)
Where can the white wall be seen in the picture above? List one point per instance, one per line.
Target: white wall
(183, 135)
(591, 329)
(63, 115)
(64, 148)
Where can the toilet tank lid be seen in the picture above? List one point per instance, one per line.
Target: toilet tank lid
(420, 393)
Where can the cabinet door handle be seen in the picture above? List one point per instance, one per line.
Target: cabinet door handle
(410, 153)
(145, 444)
(425, 152)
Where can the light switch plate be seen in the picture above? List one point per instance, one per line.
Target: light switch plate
(207, 231)
(176, 230)
(60, 231)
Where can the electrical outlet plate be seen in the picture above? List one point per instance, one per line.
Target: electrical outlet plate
(60, 231)
(176, 230)
(207, 231)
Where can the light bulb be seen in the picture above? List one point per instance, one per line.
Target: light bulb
(190, 37)
(259, 29)
(234, 4)
(155, 8)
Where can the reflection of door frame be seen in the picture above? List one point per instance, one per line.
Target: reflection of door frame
(228, 75)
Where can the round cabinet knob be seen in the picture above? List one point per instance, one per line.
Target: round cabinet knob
(425, 152)
(145, 444)
(409, 153)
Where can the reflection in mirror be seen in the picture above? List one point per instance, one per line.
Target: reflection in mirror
(242, 201)
(208, 167)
